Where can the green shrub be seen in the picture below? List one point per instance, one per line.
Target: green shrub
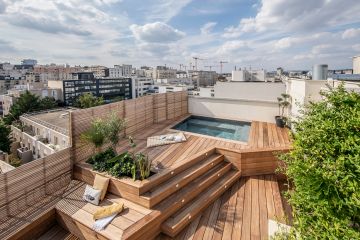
(123, 165)
(324, 167)
(102, 156)
(143, 166)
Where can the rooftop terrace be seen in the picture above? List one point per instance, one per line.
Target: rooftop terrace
(204, 188)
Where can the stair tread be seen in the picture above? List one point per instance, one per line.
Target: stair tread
(180, 219)
(184, 174)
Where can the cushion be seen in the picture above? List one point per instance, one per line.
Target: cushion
(92, 195)
(101, 183)
(108, 211)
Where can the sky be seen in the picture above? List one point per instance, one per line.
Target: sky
(266, 34)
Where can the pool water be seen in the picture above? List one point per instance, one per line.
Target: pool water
(222, 128)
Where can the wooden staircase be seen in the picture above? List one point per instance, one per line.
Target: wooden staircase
(178, 199)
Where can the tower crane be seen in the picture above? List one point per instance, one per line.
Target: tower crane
(196, 59)
(221, 65)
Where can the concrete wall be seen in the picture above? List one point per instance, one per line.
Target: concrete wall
(356, 65)
(240, 109)
(262, 91)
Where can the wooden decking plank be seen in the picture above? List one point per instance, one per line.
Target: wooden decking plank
(277, 200)
(269, 198)
(219, 226)
(205, 216)
(190, 233)
(229, 222)
(260, 142)
(246, 224)
(263, 209)
(255, 211)
(266, 135)
(238, 217)
(270, 135)
(210, 225)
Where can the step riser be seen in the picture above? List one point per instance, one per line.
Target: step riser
(183, 182)
(166, 209)
(169, 173)
(175, 230)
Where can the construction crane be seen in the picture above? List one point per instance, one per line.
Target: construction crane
(221, 65)
(210, 67)
(196, 59)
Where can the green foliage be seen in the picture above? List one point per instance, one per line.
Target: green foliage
(5, 141)
(102, 156)
(87, 100)
(324, 167)
(114, 126)
(96, 134)
(26, 103)
(283, 103)
(127, 164)
(14, 160)
(48, 103)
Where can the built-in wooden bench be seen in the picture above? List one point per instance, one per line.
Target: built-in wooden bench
(76, 215)
(35, 219)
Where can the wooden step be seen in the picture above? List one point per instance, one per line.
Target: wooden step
(150, 225)
(177, 222)
(180, 180)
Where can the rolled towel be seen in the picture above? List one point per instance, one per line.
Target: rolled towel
(101, 224)
(104, 212)
(178, 138)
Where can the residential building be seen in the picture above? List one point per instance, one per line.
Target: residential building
(171, 88)
(41, 134)
(203, 78)
(162, 72)
(249, 75)
(53, 72)
(141, 86)
(127, 70)
(356, 65)
(116, 71)
(32, 62)
(181, 74)
(98, 71)
(39, 89)
(108, 88)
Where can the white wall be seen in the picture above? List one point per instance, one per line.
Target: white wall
(265, 91)
(247, 110)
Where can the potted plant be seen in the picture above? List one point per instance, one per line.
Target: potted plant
(283, 102)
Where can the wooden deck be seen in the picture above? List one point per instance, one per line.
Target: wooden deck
(262, 136)
(242, 212)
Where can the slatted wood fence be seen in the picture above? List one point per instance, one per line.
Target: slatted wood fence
(139, 114)
(31, 182)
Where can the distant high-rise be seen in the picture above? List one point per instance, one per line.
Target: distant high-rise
(31, 62)
(356, 64)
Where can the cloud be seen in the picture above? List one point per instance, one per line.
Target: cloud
(165, 10)
(231, 47)
(351, 33)
(207, 28)
(6, 47)
(297, 15)
(2, 6)
(156, 32)
(47, 25)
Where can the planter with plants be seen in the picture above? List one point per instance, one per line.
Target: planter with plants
(283, 103)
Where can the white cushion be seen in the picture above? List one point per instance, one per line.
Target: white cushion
(92, 195)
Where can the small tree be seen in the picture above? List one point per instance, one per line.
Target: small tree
(96, 134)
(87, 100)
(114, 127)
(5, 141)
(283, 103)
(48, 103)
(324, 167)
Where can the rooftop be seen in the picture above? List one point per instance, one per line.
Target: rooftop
(57, 120)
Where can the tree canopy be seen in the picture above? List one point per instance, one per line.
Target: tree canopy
(26, 103)
(5, 141)
(324, 168)
(88, 100)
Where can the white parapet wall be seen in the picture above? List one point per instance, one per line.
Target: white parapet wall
(239, 109)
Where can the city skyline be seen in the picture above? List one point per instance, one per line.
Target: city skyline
(261, 34)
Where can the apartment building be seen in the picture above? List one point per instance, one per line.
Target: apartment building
(356, 64)
(41, 134)
(203, 78)
(249, 75)
(98, 71)
(141, 86)
(53, 72)
(162, 72)
(118, 71)
(108, 88)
